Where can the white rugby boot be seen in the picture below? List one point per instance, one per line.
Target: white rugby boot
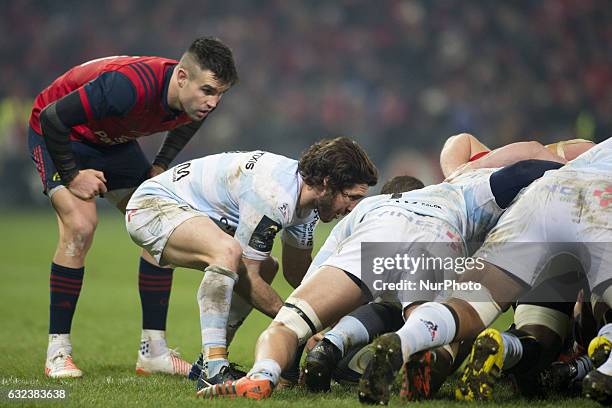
(59, 362)
(154, 356)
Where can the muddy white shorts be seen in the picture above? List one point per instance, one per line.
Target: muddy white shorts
(150, 220)
(562, 213)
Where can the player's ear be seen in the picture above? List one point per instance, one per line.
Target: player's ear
(182, 76)
(325, 182)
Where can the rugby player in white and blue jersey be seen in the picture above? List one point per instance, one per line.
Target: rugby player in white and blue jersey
(567, 211)
(449, 214)
(220, 214)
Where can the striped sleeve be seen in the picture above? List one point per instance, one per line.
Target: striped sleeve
(147, 83)
(110, 94)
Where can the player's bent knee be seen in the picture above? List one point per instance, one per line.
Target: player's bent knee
(227, 253)
(80, 229)
(75, 242)
(299, 317)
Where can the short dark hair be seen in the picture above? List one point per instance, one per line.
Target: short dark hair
(341, 160)
(401, 184)
(210, 53)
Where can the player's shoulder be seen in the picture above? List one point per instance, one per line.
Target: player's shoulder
(127, 60)
(148, 70)
(268, 167)
(370, 203)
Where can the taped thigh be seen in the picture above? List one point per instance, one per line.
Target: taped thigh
(298, 316)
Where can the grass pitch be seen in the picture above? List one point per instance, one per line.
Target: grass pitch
(106, 327)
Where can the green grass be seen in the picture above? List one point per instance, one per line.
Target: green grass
(106, 326)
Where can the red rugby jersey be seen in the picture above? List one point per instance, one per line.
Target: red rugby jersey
(148, 79)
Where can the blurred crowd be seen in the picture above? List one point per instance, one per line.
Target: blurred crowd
(399, 76)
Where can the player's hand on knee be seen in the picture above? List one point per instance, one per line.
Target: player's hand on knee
(88, 184)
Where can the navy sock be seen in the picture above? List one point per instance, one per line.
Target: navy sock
(292, 373)
(65, 285)
(154, 284)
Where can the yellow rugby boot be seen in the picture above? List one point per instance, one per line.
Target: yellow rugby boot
(483, 368)
(599, 350)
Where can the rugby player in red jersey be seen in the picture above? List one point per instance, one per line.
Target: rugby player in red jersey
(464, 152)
(82, 137)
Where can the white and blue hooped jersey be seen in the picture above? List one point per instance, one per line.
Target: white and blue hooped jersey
(252, 195)
(466, 204)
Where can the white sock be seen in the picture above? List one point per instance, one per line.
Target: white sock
(265, 369)
(513, 350)
(606, 331)
(348, 332)
(58, 341)
(429, 325)
(153, 343)
(239, 310)
(606, 367)
(214, 300)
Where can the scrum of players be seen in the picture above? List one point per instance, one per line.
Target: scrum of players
(538, 216)
(538, 249)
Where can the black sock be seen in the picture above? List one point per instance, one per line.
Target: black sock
(532, 349)
(379, 318)
(65, 287)
(292, 373)
(154, 284)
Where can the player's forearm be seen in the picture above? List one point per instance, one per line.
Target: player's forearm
(57, 139)
(174, 142)
(513, 153)
(256, 291)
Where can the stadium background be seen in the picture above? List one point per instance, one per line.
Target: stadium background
(399, 76)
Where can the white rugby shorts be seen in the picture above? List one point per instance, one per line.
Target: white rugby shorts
(563, 213)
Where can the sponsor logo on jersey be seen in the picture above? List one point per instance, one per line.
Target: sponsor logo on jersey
(605, 196)
(223, 222)
(253, 159)
(56, 177)
(561, 189)
(180, 171)
(284, 209)
(424, 204)
(263, 236)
